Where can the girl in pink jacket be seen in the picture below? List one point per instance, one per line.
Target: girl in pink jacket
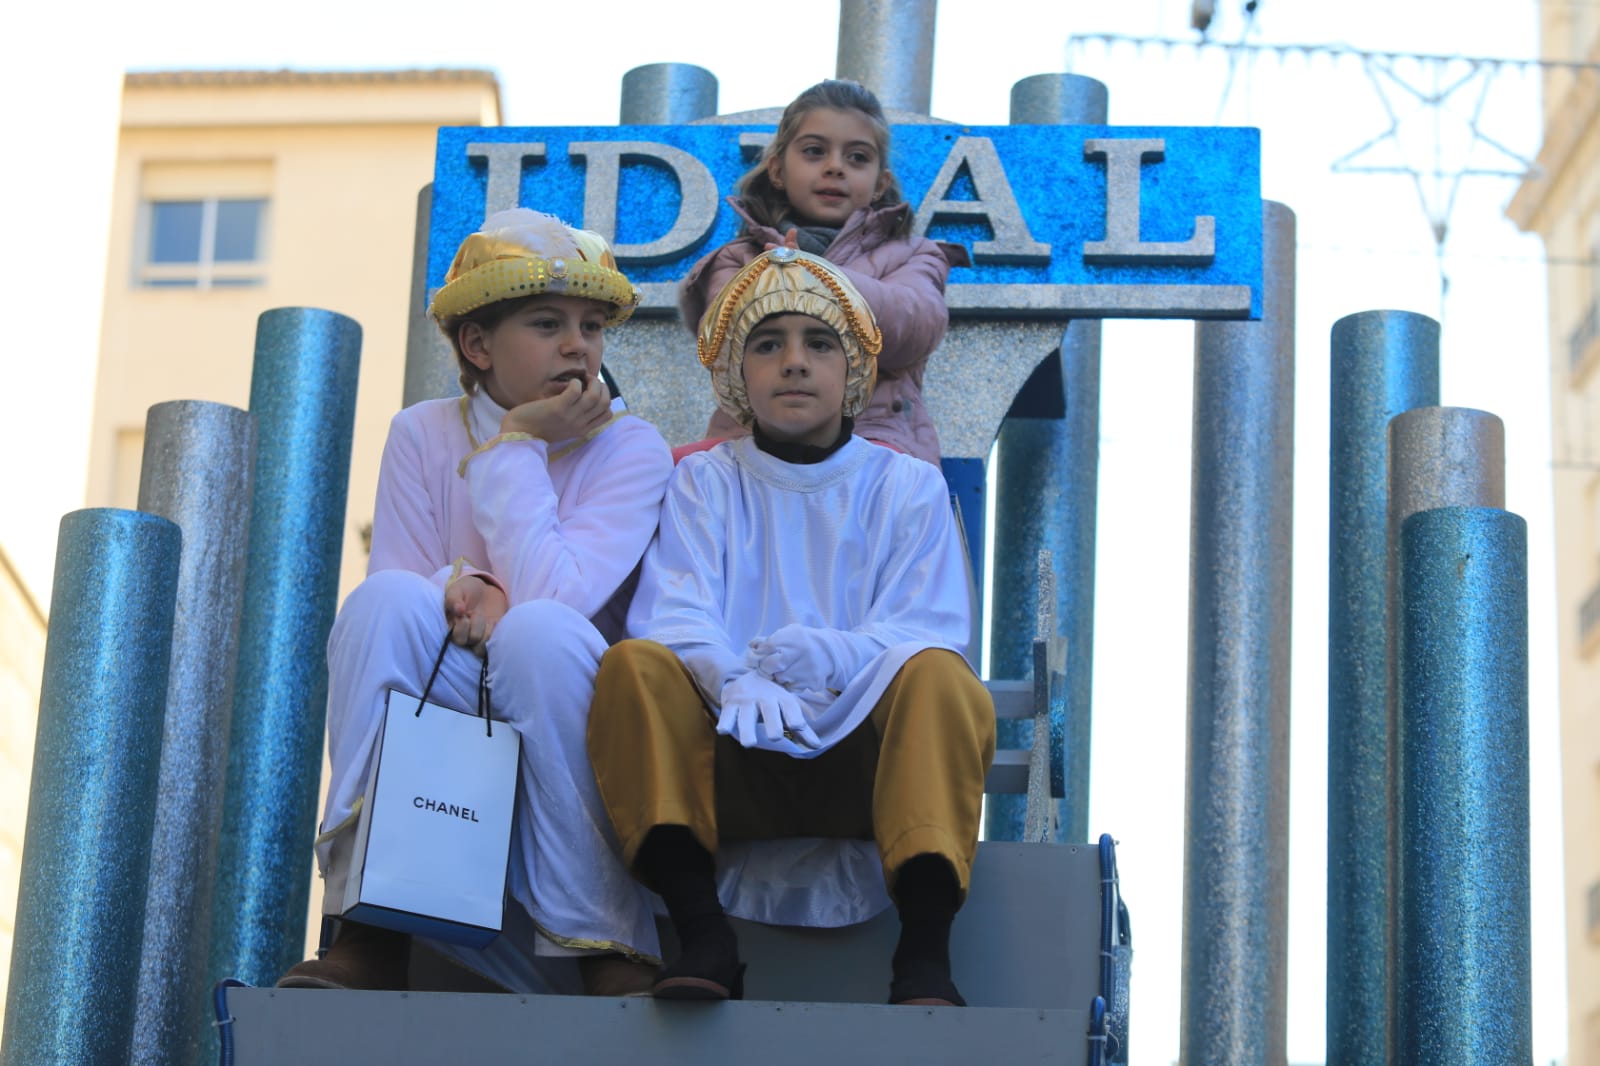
(824, 186)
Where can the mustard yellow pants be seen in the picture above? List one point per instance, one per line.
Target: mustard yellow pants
(910, 777)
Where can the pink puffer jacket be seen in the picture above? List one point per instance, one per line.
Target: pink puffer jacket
(902, 278)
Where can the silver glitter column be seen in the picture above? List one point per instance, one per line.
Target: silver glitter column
(1047, 482)
(1059, 99)
(1465, 967)
(1438, 457)
(92, 801)
(887, 45)
(667, 94)
(1442, 457)
(1235, 871)
(198, 467)
(1383, 363)
(431, 371)
(302, 393)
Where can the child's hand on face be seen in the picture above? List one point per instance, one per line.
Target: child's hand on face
(790, 240)
(473, 606)
(580, 407)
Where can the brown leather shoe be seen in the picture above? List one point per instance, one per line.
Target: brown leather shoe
(362, 957)
(616, 975)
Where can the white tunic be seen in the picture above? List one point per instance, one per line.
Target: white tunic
(863, 542)
(561, 527)
(557, 522)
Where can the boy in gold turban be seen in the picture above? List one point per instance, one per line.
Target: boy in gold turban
(803, 615)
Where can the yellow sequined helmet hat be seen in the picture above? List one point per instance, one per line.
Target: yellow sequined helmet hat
(521, 253)
(784, 281)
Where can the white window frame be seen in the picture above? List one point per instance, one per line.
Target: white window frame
(206, 271)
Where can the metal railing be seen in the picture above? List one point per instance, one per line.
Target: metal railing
(1588, 329)
(1588, 616)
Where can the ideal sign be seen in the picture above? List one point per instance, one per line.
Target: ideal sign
(1063, 221)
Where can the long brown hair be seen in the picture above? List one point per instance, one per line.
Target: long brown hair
(768, 204)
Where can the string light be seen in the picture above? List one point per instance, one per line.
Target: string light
(1331, 50)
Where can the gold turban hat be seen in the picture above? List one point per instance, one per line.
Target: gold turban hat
(521, 253)
(784, 281)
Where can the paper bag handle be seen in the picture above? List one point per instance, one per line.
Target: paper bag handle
(483, 687)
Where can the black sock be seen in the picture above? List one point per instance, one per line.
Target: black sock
(673, 864)
(927, 896)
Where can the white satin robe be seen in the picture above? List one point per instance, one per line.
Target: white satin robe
(864, 542)
(561, 527)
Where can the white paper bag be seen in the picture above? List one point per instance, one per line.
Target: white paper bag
(434, 834)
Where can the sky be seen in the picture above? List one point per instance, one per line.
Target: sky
(1364, 244)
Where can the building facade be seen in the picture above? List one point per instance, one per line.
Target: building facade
(22, 629)
(1561, 203)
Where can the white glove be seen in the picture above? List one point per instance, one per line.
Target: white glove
(806, 658)
(751, 697)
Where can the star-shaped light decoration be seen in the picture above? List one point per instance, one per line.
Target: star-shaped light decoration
(1434, 140)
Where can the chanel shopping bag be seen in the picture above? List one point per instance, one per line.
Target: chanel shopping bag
(434, 832)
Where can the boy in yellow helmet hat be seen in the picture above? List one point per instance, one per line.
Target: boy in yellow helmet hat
(511, 519)
(803, 615)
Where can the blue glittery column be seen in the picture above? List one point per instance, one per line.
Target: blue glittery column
(302, 392)
(1463, 949)
(92, 800)
(1046, 497)
(1235, 870)
(199, 462)
(1046, 484)
(1383, 363)
(1438, 457)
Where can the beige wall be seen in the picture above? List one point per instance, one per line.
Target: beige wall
(22, 629)
(1563, 206)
